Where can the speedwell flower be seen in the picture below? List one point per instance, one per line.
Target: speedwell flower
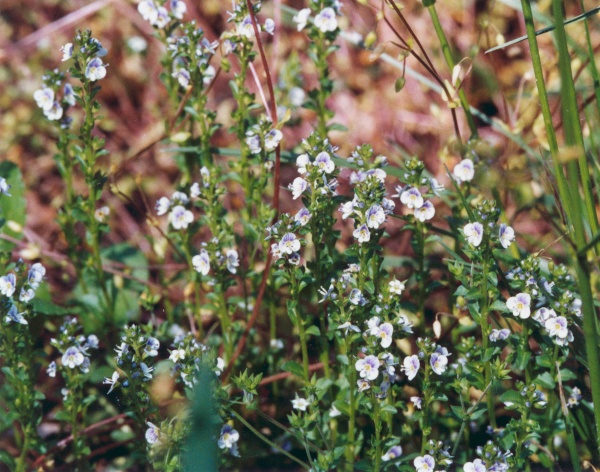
(425, 212)
(228, 437)
(396, 287)
(180, 218)
(438, 362)
(289, 244)
(411, 366)
(375, 216)
(476, 466)
(8, 284)
(272, 139)
(300, 403)
(519, 305)
(324, 163)
(112, 381)
(326, 20)
(269, 26)
(412, 198)
(72, 357)
(67, 51)
(368, 367)
(464, 171)
(303, 216)
(178, 9)
(152, 433)
(424, 463)
(44, 98)
(362, 233)
(233, 262)
(298, 186)
(506, 235)
(95, 69)
(557, 327)
(474, 233)
(301, 18)
(392, 454)
(14, 316)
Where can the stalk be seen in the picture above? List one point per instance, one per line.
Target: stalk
(377, 421)
(450, 61)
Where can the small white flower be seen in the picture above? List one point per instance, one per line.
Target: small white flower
(362, 233)
(269, 26)
(476, 466)
(182, 75)
(72, 357)
(69, 95)
(411, 366)
(272, 139)
(438, 363)
(425, 212)
(302, 161)
(67, 51)
(180, 218)
(412, 198)
(368, 367)
(8, 285)
(300, 403)
(417, 402)
(464, 171)
(228, 437)
(55, 112)
(162, 18)
(520, 305)
(347, 209)
(298, 186)
(152, 346)
(51, 370)
(324, 162)
(296, 96)
(348, 326)
(424, 463)
(148, 10)
(14, 316)
(303, 216)
(334, 412)
(152, 433)
(178, 8)
(162, 206)
(177, 355)
(26, 295)
(44, 98)
(112, 381)
(233, 262)
(209, 74)
(301, 18)
(474, 233)
(506, 235)
(95, 69)
(245, 28)
(201, 262)
(101, 214)
(326, 20)
(557, 327)
(289, 244)
(392, 454)
(220, 365)
(396, 287)
(375, 216)
(363, 385)
(356, 297)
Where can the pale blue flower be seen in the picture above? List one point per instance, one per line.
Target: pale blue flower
(72, 357)
(67, 51)
(269, 26)
(14, 316)
(44, 98)
(424, 463)
(474, 233)
(4, 187)
(8, 285)
(112, 381)
(368, 367)
(392, 454)
(95, 69)
(326, 20)
(201, 262)
(464, 171)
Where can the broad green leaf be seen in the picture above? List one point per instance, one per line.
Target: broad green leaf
(13, 207)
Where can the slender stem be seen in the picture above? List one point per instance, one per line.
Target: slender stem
(377, 421)
(262, 437)
(450, 61)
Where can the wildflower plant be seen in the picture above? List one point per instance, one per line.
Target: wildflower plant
(297, 298)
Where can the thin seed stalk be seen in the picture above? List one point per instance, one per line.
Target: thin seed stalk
(450, 61)
(300, 325)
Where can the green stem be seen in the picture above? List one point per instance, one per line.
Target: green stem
(485, 339)
(450, 61)
(263, 438)
(377, 421)
(300, 325)
(350, 445)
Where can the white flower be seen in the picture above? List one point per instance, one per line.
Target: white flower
(51, 370)
(272, 139)
(72, 357)
(177, 355)
(424, 463)
(183, 76)
(220, 365)
(162, 206)
(209, 74)
(368, 367)
(375, 216)
(112, 381)
(384, 332)
(506, 235)
(289, 244)
(162, 17)
(362, 233)
(67, 51)
(8, 284)
(474, 233)
(326, 20)
(412, 198)
(298, 186)
(392, 454)
(245, 28)
(232, 258)
(148, 10)
(95, 69)
(201, 262)
(356, 297)
(425, 212)
(101, 214)
(228, 438)
(178, 9)
(476, 466)
(300, 403)
(69, 95)
(152, 433)
(411, 366)
(334, 412)
(55, 112)
(296, 96)
(26, 295)
(180, 218)
(347, 209)
(269, 26)
(363, 385)
(303, 216)
(14, 316)
(464, 171)
(152, 346)
(44, 98)
(557, 327)
(348, 326)
(324, 163)
(519, 305)
(438, 363)
(396, 287)
(417, 402)
(301, 18)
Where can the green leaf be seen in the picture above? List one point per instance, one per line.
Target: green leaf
(545, 380)
(46, 307)
(523, 358)
(457, 410)
(389, 409)
(13, 207)
(343, 359)
(314, 330)
(498, 305)
(293, 367)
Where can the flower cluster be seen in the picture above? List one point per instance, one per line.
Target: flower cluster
(10, 285)
(325, 20)
(157, 14)
(222, 259)
(262, 138)
(485, 226)
(187, 355)
(73, 347)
